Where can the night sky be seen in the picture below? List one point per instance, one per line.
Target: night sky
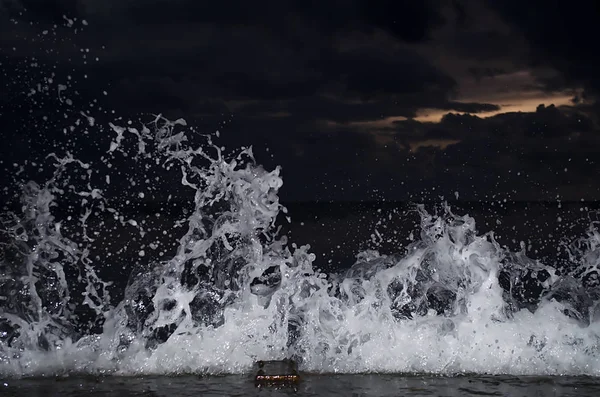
(356, 100)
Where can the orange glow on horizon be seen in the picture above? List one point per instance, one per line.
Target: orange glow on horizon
(525, 105)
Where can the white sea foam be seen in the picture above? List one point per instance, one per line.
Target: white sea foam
(439, 307)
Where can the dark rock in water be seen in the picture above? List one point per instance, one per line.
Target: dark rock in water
(266, 284)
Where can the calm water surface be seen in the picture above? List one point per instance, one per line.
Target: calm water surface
(312, 385)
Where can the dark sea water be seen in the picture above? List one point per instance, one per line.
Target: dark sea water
(338, 231)
(311, 385)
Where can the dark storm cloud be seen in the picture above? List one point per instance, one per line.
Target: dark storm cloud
(47, 11)
(561, 35)
(269, 40)
(520, 156)
(370, 71)
(320, 83)
(407, 21)
(331, 109)
(483, 45)
(323, 108)
(476, 33)
(471, 107)
(248, 63)
(275, 55)
(533, 156)
(337, 61)
(535, 129)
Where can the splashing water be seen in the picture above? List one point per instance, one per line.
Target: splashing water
(233, 290)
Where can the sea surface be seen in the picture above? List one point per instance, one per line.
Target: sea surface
(311, 385)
